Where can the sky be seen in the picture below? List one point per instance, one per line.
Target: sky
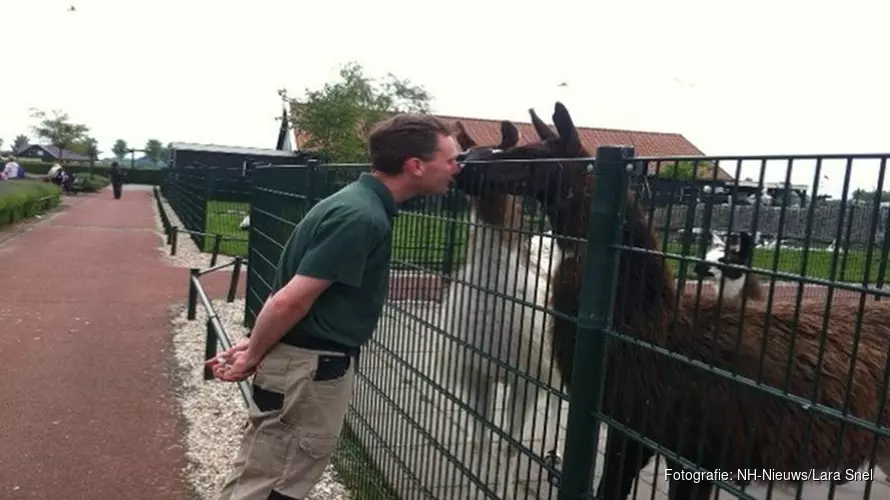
(734, 79)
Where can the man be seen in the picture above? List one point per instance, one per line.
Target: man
(117, 179)
(331, 283)
(12, 170)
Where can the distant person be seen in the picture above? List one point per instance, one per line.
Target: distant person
(117, 179)
(55, 174)
(12, 170)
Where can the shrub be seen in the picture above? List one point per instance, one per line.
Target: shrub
(153, 176)
(22, 199)
(92, 183)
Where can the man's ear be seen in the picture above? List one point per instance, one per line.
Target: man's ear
(413, 166)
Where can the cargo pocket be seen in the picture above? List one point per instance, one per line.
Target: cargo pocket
(331, 368)
(268, 451)
(270, 384)
(319, 446)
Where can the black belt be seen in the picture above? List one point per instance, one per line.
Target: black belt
(317, 344)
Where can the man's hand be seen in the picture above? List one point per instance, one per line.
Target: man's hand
(233, 364)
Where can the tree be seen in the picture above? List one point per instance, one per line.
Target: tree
(861, 195)
(155, 151)
(120, 149)
(336, 118)
(20, 142)
(87, 146)
(58, 130)
(684, 170)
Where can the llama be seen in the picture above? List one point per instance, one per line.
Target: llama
(700, 415)
(499, 261)
(737, 252)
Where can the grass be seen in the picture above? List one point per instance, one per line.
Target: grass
(850, 266)
(23, 199)
(358, 471)
(426, 240)
(223, 217)
(417, 239)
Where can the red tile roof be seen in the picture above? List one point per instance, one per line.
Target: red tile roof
(486, 131)
(645, 143)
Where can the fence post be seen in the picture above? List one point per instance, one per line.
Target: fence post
(450, 236)
(193, 293)
(233, 285)
(209, 348)
(594, 317)
(174, 237)
(205, 199)
(256, 176)
(217, 241)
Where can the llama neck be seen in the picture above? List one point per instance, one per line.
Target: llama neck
(504, 213)
(645, 292)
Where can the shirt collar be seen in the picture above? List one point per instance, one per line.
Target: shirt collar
(382, 192)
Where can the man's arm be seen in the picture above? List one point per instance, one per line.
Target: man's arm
(282, 311)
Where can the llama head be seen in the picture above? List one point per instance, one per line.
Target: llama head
(524, 170)
(736, 250)
(472, 151)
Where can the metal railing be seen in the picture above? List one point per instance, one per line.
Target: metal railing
(172, 232)
(216, 332)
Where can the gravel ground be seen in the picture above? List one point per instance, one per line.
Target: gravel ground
(213, 412)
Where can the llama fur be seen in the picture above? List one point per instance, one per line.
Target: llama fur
(498, 261)
(702, 416)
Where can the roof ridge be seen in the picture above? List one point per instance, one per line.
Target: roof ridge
(579, 127)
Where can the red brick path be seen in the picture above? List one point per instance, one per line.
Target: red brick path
(87, 410)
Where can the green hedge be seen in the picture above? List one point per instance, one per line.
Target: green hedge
(93, 183)
(151, 176)
(22, 199)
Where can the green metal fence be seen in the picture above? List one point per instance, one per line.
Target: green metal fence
(707, 386)
(211, 201)
(652, 372)
(408, 423)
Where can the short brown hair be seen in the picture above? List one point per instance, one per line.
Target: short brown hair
(404, 136)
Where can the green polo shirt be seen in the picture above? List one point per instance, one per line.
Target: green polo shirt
(345, 238)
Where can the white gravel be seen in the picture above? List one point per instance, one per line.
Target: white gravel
(213, 412)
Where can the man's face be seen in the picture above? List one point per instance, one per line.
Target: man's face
(435, 175)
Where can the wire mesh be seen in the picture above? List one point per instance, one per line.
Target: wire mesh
(718, 356)
(431, 416)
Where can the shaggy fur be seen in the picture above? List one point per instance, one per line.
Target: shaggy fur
(499, 261)
(690, 410)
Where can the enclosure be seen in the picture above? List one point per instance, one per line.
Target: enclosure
(208, 186)
(819, 265)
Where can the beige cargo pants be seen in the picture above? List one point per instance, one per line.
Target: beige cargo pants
(301, 397)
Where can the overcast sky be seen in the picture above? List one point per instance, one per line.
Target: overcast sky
(805, 77)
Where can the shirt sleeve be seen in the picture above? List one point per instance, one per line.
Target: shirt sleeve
(339, 248)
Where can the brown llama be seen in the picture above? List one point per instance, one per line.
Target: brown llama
(498, 261)
(695, 412)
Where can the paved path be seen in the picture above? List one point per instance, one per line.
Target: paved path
(87, 409)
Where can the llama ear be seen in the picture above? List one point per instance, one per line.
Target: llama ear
(509, 135)
(716, 241)
(541, 128)
(568, 134)
(463, 138)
